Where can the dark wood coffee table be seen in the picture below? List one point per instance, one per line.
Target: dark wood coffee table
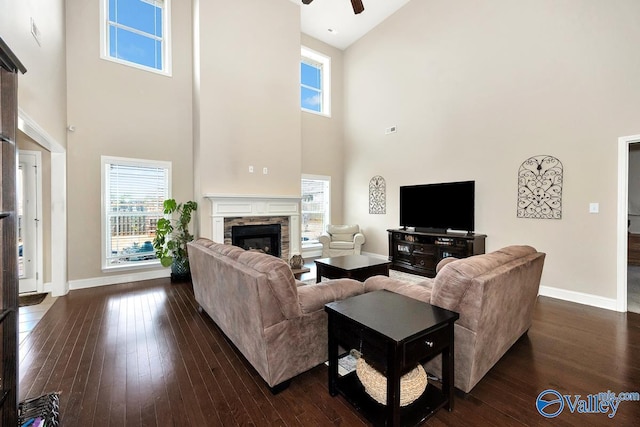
(394, 333)
(359, 267)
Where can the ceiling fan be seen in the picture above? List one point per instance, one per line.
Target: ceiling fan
(357, 5)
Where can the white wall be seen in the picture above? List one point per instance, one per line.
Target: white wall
(42, 97)
(322, 136)
(248, 53)
(124, 112)
(42, 90)
(476, 88)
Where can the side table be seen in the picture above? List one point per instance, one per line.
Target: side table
(394, 333)
(298, 272)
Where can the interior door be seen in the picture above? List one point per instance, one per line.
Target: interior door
(27, 222)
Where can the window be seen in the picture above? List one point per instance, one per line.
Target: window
(316, 207)
(136, 33)
(315, 82)
(133, 193)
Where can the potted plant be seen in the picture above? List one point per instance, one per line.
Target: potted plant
(172, 236)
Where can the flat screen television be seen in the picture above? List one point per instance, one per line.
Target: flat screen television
(438, 207)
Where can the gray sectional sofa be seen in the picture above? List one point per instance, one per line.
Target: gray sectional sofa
(279, 326)
(495, 295)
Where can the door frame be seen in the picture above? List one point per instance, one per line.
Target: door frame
(39, 265)
(623, 207)
(59, 282)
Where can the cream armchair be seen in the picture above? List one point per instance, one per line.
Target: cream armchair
(341, 240)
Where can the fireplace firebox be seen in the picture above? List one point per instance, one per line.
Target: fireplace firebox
(263, 237)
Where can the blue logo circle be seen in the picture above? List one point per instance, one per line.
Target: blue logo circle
(546, 401)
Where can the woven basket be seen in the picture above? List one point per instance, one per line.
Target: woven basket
(412, 384)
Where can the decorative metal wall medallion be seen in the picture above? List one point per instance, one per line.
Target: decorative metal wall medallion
(540, 188)
(377, 195)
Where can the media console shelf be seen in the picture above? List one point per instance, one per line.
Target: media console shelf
(419, 252)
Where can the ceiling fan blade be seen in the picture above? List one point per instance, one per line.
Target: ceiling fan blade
(306, 1)
(357, 6)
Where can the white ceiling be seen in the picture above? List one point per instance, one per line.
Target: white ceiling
(321, 15)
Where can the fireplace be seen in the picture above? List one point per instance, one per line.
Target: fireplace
(263, 237)
(230, 210)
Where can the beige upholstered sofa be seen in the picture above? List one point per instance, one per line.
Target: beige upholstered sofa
(495, 295)
(340, 240)
(279, 326)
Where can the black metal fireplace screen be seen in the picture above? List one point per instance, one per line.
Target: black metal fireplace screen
(262, 237)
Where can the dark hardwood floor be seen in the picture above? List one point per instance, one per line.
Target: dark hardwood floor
(140, 354)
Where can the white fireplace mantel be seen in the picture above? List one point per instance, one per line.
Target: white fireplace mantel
(240, 205)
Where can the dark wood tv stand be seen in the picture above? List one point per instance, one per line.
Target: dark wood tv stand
(419, 252)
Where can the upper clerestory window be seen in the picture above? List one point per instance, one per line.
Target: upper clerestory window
(137, 33)
(315, 82)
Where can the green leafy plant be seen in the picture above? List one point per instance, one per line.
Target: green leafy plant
(172, 235)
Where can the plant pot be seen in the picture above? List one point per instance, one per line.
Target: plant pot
(180, 270)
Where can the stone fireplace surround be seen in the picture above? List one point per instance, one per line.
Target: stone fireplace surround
(234, 209)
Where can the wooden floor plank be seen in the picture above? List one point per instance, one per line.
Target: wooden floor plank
(79, 369)
(140, 354)
(234, 408)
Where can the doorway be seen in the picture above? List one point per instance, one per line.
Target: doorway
(633, 241)
(628, 223)
(29, 202)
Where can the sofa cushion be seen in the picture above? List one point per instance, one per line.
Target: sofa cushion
(314, 297)
(341, 245)
(279, 279)
(479, 264)
(203, 241)
(230, 251)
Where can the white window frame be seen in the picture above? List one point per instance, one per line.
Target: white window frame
(105, 226)
(166, 39)
(313, 57)
(327, 214)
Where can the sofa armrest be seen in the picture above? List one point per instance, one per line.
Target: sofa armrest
(358, 239)
(314, 297)
(420, 291)
(443, 262)
(324, 238)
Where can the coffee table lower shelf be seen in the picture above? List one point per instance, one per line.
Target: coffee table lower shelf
(350, 387)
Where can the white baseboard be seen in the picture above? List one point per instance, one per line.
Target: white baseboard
(579, 297)
(311, 252)
(120, 278)
(372, 255)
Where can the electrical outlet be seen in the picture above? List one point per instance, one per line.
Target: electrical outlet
(265, 170)
(250, 169)
(391, 129)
